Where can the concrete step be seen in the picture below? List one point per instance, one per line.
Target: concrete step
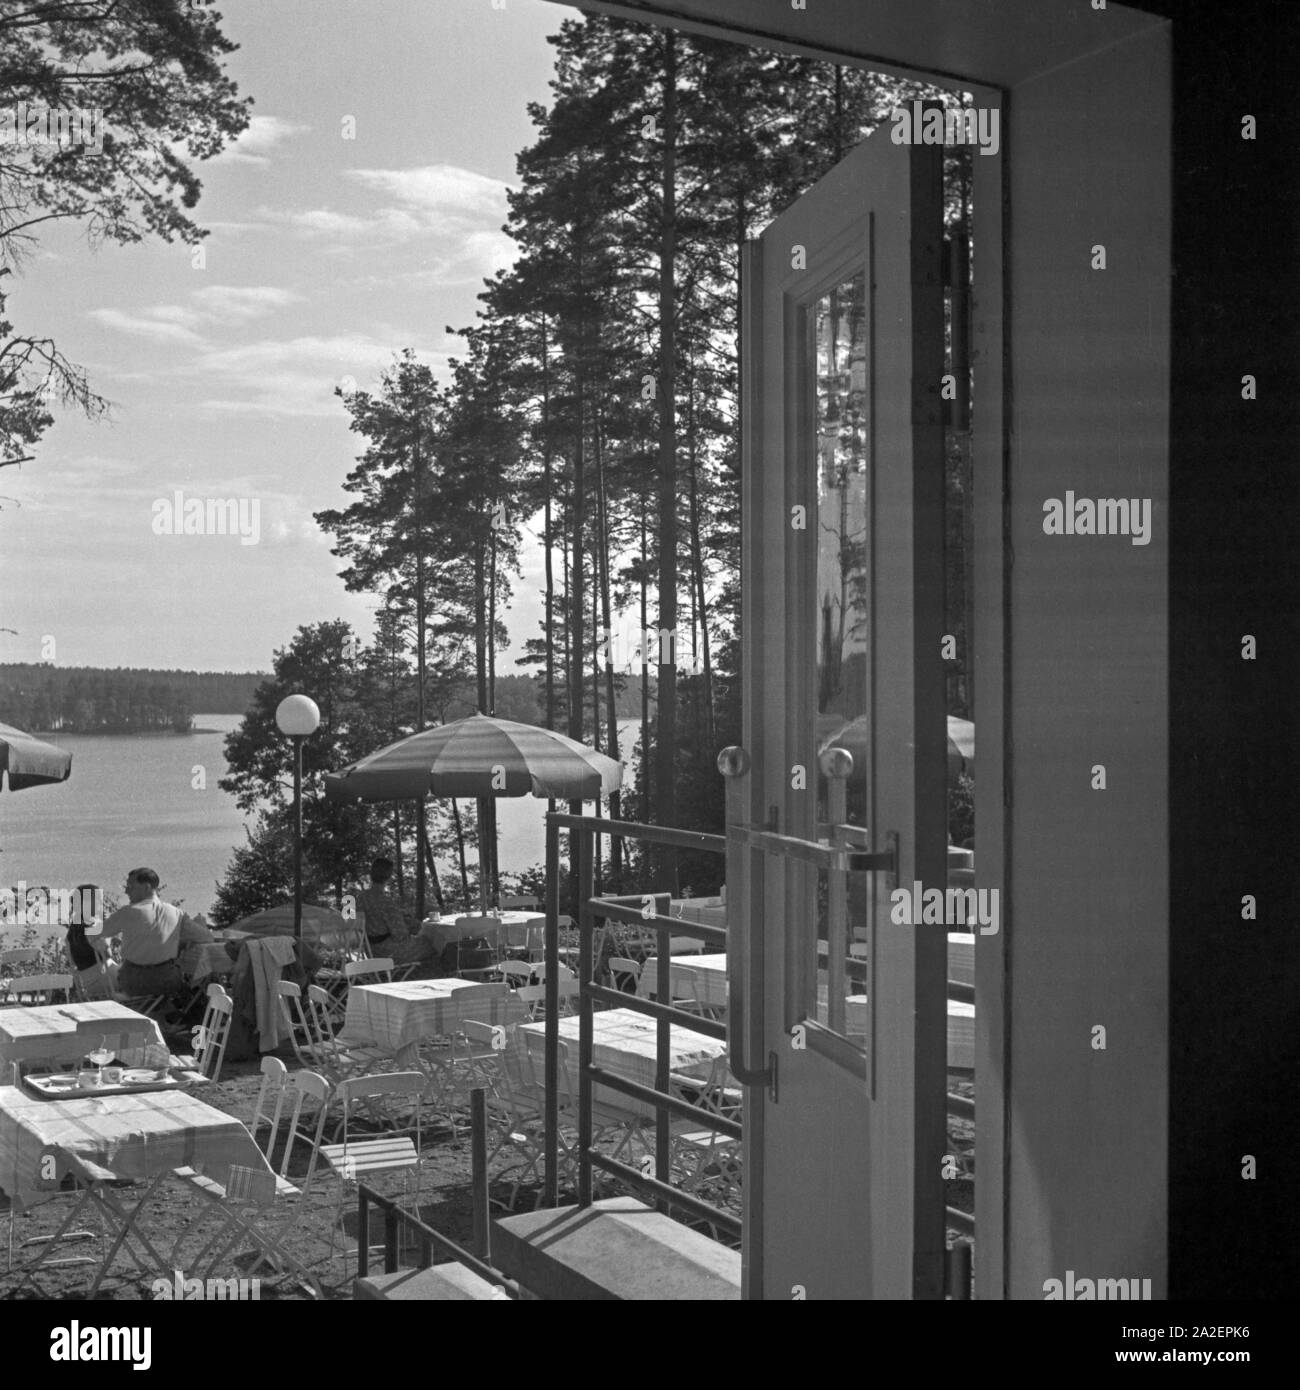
(448, 1283)
(619, 1249)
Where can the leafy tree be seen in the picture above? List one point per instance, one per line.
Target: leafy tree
(155, 70)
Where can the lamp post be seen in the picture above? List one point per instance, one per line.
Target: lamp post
(297, 717)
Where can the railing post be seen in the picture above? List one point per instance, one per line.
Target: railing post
(836, 765)
(959, 1270)
(390, 1239)
(551, 1137)
(363, 1233)
(479, 1173)
(586, 887)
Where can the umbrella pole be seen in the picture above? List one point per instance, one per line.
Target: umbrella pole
(483, 858)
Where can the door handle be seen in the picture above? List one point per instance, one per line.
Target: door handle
(734, 765)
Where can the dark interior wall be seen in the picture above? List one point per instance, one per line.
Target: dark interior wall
(1234, 515)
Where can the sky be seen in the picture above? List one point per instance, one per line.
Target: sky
(327, 256)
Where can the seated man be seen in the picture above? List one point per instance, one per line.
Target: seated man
(153, 935)
(382, 919)
(380, 912)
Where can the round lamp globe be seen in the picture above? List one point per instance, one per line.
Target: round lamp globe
(297, 716)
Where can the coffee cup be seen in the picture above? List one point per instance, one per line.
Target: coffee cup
(112, 1076)
(87, 1079)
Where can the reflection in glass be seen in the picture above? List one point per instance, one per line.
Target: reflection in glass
(843, 590)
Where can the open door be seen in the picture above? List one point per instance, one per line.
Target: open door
(838, 1014)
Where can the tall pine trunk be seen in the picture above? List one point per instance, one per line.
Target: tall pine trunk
(602, 560)
(547, 537)
(666, 781)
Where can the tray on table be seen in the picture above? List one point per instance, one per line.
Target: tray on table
(63, 1085)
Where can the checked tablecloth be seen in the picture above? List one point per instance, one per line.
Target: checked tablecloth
(134, 1136)
(50, 1033)
(397, 1016)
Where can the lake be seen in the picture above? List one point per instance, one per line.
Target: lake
(132, 801)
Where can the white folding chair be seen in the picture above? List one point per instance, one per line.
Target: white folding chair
(19, 955)
(250, 1199)
(210, 1036)
(515, 1107)
(622, 970)
(703, 1161)
(363, 1160)
(517, 903)
(516, 972)
(36, 990)
(372, 970)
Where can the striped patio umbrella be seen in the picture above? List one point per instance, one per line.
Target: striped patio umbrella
(480, 757)
(278, 921)
(29, 762)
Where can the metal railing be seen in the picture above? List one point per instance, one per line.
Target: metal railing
(397, 1220)
(846, 856)
(632, 911)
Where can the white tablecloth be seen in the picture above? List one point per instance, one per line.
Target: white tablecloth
(623, 1042)
(471, 927)
(712, 977)
(398, 1015)
(49, 1033)
(135, 1136)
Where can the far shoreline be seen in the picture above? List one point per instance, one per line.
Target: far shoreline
(121, 733)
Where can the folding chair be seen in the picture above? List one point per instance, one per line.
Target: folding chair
(314, 1044)
(249, 1199)
(210, 1036)
(488, 929)
(624, 971)
(517, 903)
(700, 1157)
(363, 1160)
(368, 971)
(516, 973)
(514, 1103)
(608, 1119)
(19, 955)
(372, 970)
(36, 990)
(118, 1034)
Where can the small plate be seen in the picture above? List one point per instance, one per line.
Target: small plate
(133, 1076)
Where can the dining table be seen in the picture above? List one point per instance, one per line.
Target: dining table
(711, 991)
(59, 1032)
(441, 932)
(397, 1016)
(624, 1043)
(104, 1141)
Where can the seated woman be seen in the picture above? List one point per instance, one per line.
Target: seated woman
(87, 949)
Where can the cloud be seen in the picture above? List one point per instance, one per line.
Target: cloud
(214, 304)
(439, 189)
(444, 206)
(256, 144)
(162, 329)
(238, 302)
(297, 376)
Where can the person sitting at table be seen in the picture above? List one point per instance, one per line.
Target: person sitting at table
(96, 973)
(379, 911)
(153, 935)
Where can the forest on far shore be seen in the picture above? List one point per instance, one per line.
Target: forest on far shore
(44, 698)
(49, 699)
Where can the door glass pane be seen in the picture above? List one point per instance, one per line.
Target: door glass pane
(843, 623)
